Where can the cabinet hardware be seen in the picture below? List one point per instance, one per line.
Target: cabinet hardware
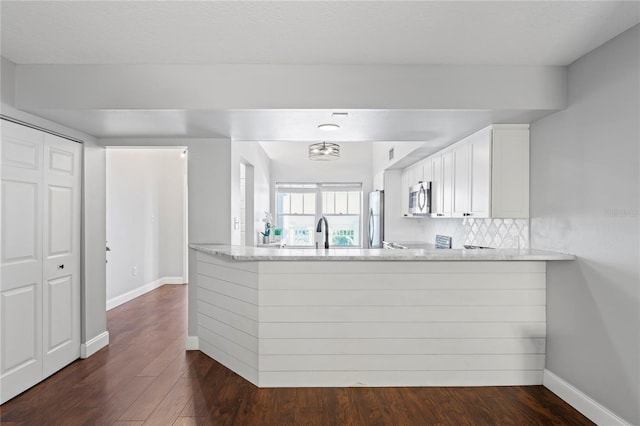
(60, 266)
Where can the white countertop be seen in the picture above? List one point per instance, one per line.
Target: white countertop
(341, 254)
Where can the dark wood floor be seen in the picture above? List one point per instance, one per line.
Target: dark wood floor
(145, 377)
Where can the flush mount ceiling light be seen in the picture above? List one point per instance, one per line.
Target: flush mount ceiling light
(324, 151)
(328, 127)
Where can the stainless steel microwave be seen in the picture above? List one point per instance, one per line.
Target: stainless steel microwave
(420, 199)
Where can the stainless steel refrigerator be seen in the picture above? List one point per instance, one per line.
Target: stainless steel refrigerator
(376, 219)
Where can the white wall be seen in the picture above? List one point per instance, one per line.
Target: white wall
(94, 294)
(8, 81)
(258, 184)
(401, 154)
(585, 199)
(145, 219)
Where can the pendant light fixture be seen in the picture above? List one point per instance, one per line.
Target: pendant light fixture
(324, 151)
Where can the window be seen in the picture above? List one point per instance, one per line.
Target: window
(299, 207)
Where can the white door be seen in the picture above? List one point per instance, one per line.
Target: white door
(39, 308)
(61, 253)
(21, 257)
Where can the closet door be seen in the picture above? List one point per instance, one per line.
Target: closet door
(21, 209)
(39, 257)
(61, 253)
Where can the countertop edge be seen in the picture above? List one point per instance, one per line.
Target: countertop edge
(257, 254)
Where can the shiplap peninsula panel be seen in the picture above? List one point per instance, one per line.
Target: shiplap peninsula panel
(228, 313)
(401, 323)
(359, 323)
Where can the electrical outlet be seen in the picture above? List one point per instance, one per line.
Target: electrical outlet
(134, 271)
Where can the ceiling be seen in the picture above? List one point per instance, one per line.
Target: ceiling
(309, 32)
(305, 33)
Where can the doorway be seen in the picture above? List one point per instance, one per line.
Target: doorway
(146, 220)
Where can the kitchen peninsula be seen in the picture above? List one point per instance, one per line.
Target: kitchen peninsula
(353, 317)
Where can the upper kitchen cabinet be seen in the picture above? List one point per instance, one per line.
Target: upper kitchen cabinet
(404, 192)
(427, 170)
(441, 183)
(510, 171)
(485, 175)
(472, 176)
(461, 180)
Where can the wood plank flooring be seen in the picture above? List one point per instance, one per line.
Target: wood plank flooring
(145, 377)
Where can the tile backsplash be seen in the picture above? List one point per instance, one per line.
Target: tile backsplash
(497, 233)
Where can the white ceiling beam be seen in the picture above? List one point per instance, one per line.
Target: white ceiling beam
(105, 87)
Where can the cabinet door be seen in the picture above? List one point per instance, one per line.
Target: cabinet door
(415, 174)
(427, 170)
(480, 163)
(461, 181)
(404, 192)
(447, 183)
(510, 169)
(436, 185)
(21, 260)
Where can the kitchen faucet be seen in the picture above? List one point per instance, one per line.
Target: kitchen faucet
(326, 230)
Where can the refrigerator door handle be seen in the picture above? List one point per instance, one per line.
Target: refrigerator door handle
(371, 225)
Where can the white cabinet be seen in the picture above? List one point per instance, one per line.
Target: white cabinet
(510, 172)
(416, 174)
(461, 194)
(472, 176)
(485, 175)
(441, 184)
(40, 263)
(404, 192)
(427, 170)
(447, 183)
(479, 149)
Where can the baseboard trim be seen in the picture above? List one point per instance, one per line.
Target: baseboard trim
(193, 343)
(137, 292)
(94, 345)
(591, 409)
